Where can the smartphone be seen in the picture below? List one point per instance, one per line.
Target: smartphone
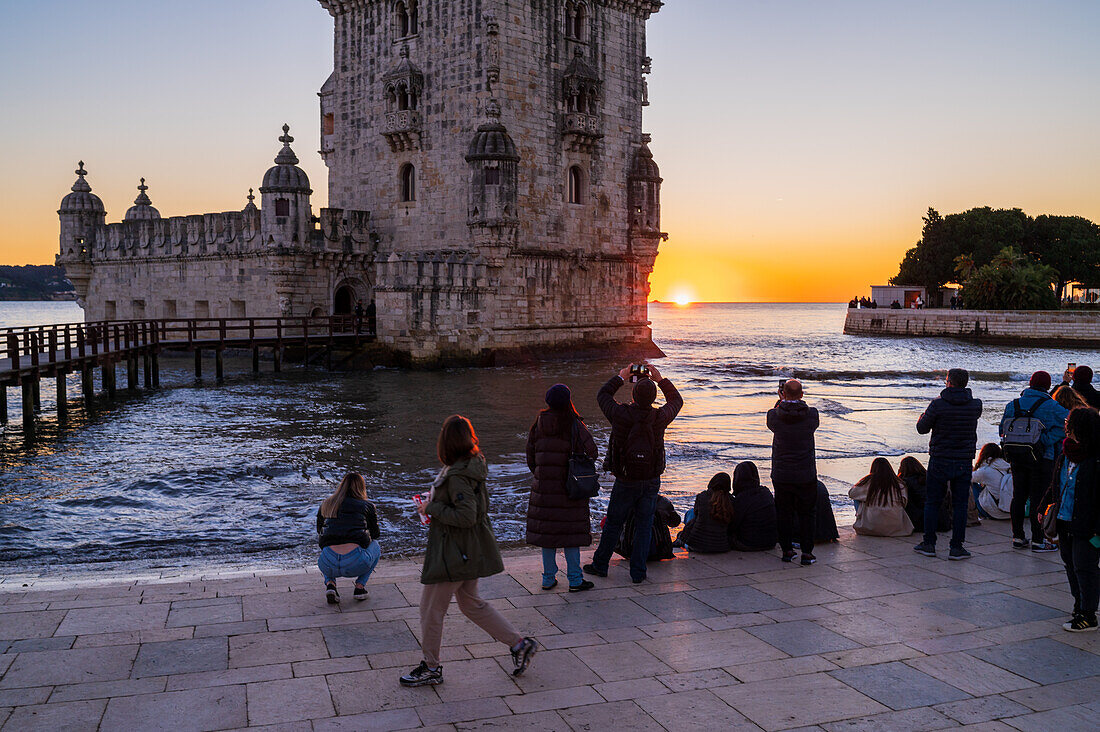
(1071, 367)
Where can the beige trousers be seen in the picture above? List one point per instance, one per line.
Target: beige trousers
(434, 601)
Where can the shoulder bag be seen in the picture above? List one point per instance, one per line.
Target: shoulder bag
(583, 482)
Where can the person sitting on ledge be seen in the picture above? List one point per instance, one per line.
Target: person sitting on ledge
(707, 526)
(991, 483)
(665, 517)
(347, 530)
(753, 528)
(825, 531)
(880, 502)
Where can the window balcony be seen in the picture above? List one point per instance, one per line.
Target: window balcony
(402, 129)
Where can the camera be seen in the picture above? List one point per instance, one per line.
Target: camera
(638, 371)
(782, 383)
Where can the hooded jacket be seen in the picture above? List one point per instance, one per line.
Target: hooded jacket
(461, 545)
(793, 425)
(623, 416)
(553, 520)
(953, 421)
(754, 526)
(704, 533)
(1049, 412)
(995, 479)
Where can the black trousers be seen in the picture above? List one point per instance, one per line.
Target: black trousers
(796, 514)
(1030, 481)
(1082, 562)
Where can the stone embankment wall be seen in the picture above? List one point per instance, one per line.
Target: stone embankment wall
(1051, 328)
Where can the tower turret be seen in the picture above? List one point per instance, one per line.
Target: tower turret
(81, 214)
(284, 199)
(142, 210)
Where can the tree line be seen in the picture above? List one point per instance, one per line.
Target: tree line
(34, 282)
(1003, 258)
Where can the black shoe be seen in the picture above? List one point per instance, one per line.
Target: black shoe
(678, 544)
(926, 549)
(637, 580)
(788, 556)
(591, 569)
(957, 552)
(550, 586)
(360, 593)
(522, 656)
(1081, 624)
(584, 585)
(423, 676)
(1019, 543)
(331, 594)
(1046, 546)
(808, 559)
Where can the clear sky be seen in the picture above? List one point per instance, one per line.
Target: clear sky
(800, 140)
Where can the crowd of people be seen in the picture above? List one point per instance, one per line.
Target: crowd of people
(1044, 478)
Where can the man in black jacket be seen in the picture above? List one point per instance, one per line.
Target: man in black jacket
(636, 457)
(953, 421)
(794, 470)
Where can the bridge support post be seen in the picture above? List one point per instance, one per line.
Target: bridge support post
(36, 387)
(62, 397)
(147, 369)
(156, 370)
(277, 356)
(3, 403)
(198, 363)
(219, 364)
(28, 405)
(87, 385)
(255, 359)
(131, 374)
(109, 378)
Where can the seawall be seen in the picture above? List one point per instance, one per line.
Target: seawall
(1024, 327)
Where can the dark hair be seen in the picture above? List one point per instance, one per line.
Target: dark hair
(565, 424)
(745, 477)
(883, 487)
(721, 507)
(958, 378)
(457, 440)
(1082, 375)
(1068, 397)
(990, 451)
(909, 467)
(1084, 423)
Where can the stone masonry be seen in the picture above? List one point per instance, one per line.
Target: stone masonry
(1080, 329)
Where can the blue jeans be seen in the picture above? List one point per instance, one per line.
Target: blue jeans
(358, 563)
(572, 565)
(976, 490)
(943, 473)
(639, 496)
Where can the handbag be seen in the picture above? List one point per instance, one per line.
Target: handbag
(583, 482)
(1048, 519)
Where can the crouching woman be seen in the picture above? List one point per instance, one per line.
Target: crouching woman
(347, 531)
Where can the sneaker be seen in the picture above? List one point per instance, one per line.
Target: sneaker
(1081, 624)
(788, 557)
(550, 586)
(423, 676)
(926, 549)
(521, 657)
(957, 552)
(331, 594)
(591, 569)
(1046, 546)
(584, 585)
(808, 559)
(360, 593)
(1019, 543)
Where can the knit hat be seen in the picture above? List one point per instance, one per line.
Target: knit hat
(1040, 381)
(1082, 375)
(557, 396)
(720, 482)
(644, 392)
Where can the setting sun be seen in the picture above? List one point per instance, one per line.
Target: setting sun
(682, 297)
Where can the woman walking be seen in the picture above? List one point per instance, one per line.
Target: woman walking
(461, 549)
(881, 497)
(347, 531)
(554, 521)
(1077, 482)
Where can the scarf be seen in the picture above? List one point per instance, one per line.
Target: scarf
(1074, 451)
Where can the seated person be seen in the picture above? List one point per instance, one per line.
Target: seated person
(992, 483)
(660, 543)
(825, 531)
(707, 527)
(347, 531)
(753, 528)
(881, 497)
(913, 475)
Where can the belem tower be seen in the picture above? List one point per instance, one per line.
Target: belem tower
(490, 190)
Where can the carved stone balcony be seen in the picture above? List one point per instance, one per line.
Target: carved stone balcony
(582, 131)
(402, 129)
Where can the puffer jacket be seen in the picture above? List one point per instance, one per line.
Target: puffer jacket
(623, 416)
(953, 421)
(1049, 412)
(553, 520)
(355, 522)
(461, 545)
(754, 525)
(793, 425)
(995, 479)
(704, 533)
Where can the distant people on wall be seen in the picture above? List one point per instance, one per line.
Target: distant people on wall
(372, 318)
(636, 457)
(952, 420)
(794, 470)
(665, 517)
(347, 532)
(954, 302)
(853, 303)
(754, 524)
(1080, 378)
(919, 302)
(880, 499)
(358, 316)
(1032, 460)
(825, 530)
(895, 305)
(991, 483)
(707, 524)
(1077, 495)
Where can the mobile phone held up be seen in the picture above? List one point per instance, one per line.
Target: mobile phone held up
(638, 371)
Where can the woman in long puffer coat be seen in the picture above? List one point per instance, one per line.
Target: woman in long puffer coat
(554, 521)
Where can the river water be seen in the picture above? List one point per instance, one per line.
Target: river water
(199, 470)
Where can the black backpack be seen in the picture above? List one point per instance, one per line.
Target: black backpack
(638, 459)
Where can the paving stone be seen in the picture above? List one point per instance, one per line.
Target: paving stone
(24, 625)
(286, 604)
(802, 638)
(692, 680)
(478, 679)
(5, 662)
(57, 643)
(325, 666)
(70, 667)
(1066, 719)
(783, 667)
(872, 655)
(206, 679)
(898, 686)
(799, 592)
(75, 716)
(1042, 660)
(375, 691)
(288, 700)
(983, 709)
(970, 674)
(1051, 696)
(630, 689)
(462, 711)
(910, 720)
(675, 606)
(217, 708)
(600, 615)
(107, 689)
(738, 599)
(394, 719)
(278, 647)
(368, 638)
(858, 585)
(541, 701)
(717, 649)
(618, 661)
(97, 640)
(695, 710)
(21, 697)
(995, 610)
(228, 629)
(114, 619)
(554, 670)
(225, 611)
(182, 657)
(814, 699)
(536, 722)
(915, 577)
(610, 715)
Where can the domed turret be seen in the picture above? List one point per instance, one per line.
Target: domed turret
(250, 207)
(644, 166)
(142, 210)
(285, 215)
(285, 176)
(644, 192)
(494, 176)
(492, 141)
(81, 199)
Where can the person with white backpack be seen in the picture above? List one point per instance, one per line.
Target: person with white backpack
(992, 482)
(1032, 431)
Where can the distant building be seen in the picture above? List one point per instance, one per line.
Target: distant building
(906, 295)
(491, 190)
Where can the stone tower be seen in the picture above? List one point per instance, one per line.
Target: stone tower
(498, 145)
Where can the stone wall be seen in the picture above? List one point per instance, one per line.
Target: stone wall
(991, 326)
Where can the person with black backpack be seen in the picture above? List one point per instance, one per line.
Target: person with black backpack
(636, 457)
(794, 470)
(1032, 431)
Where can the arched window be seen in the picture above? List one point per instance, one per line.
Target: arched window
(576, 184)
(580, 21)
(406, 18)
(408, 182)
(414, 18)
(492, 176)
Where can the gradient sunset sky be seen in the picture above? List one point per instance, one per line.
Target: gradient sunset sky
(800, 141)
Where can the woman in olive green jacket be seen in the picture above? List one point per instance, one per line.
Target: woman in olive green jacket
(461, 549)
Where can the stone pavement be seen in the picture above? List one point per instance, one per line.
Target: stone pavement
(873, 637)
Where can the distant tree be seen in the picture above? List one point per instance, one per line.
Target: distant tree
(1010, 281)
(1070, 245)
(931, 262)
